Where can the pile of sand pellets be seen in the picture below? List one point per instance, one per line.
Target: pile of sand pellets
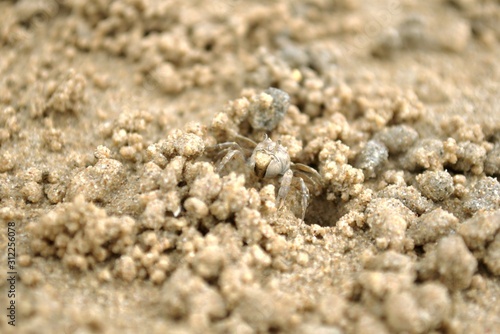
(114, 118)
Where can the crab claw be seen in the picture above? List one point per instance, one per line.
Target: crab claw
(286, 180)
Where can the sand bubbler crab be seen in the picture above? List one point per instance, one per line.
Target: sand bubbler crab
(267, 160)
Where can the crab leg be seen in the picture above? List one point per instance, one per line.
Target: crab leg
(305, 198)
(286, 180)
(227, 158)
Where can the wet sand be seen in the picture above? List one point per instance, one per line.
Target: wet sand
(115, 116)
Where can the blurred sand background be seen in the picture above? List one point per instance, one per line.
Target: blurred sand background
(108, 108)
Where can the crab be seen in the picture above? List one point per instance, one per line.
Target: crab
(267, 160)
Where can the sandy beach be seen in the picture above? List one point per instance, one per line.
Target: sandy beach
(157, 158)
